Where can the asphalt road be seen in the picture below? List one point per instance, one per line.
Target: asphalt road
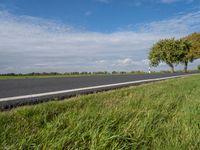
(22, 87)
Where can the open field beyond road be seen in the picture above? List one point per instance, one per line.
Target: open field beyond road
(8, 77)
(163, 115)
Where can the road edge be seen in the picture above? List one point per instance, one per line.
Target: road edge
(10, 102)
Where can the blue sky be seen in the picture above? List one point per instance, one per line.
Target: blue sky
(101, 15)
(89, 35)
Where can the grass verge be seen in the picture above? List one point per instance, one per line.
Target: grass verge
(163, 115)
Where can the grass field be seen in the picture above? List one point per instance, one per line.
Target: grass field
(6, 77)
(36, 76)
(163, 115)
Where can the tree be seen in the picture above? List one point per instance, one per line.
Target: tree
(194, 39)
(168, 51)
(186, 53)
(198, 67)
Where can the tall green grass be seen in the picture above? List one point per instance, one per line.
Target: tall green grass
(164, 115)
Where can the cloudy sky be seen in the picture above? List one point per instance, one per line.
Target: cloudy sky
(89, 35)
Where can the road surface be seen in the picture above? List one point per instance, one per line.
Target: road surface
(17, 92)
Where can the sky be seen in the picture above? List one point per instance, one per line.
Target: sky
(90, 35)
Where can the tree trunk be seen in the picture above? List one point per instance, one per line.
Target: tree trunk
(185, 67)
(172, 67)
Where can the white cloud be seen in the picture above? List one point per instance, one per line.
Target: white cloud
(174, 1)
(34, 44)
(178, 25)
(126, 62)
(169, 1)
(88, 13)
(100, 62)
(104, 1)
(137, 4)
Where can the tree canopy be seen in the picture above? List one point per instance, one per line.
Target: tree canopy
(186, 54)
(194, 39)
(166, 50)
(174, 51)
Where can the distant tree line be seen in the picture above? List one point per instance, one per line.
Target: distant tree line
(79, 73)
(84, 73)
(51, 73)
(176, 51)
(71, 73)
